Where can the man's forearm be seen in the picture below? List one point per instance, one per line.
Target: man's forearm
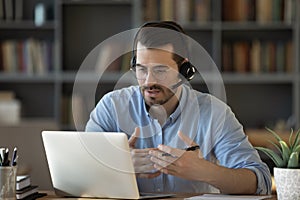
(231, 181)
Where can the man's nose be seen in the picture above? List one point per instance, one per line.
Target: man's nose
(150, 78)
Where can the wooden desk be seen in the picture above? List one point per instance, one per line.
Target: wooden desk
(179, 196)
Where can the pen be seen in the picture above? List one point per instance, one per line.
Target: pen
(2, 152)
(14, 156)
(5, 159)
(191, 148)
(16, 160)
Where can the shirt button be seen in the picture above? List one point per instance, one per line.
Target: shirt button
(158, 190)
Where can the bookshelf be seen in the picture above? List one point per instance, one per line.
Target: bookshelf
(258, 98)
(260, 94)
(25, 68)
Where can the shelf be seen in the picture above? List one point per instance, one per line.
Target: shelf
(271, 26)
(102, 2)
(236, 26)
(110, 77)
(259, 78)
(32, 122)
(205, 26)
(107, 77)
(238, 78)
(26, 25)
(29, 78)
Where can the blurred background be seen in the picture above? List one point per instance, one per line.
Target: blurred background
(254, 43)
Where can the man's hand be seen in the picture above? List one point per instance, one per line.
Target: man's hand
(178, 162)
(143, 166)
(191, 165)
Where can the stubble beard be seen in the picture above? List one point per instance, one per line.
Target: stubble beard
(166, 95)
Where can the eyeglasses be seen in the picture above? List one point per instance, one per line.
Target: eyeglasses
(159, 71)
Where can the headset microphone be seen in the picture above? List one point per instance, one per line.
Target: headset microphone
(173, 87)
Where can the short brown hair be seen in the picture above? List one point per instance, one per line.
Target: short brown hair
(156, 34)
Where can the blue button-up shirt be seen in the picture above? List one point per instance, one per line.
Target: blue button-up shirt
(202, 117)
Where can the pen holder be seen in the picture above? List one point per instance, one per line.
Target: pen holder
(8, 182)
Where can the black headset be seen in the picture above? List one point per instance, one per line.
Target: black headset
(187, 70)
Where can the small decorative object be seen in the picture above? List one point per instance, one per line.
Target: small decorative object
(287, 170)
(39, 14)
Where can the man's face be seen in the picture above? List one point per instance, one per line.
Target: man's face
(156, 72)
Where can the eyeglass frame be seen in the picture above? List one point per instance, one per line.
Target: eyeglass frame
(154, 73)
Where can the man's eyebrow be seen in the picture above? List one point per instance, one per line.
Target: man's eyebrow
(140, 65)
(155, 66)
(161, 66)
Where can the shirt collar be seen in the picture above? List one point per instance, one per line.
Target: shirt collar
(182, 101)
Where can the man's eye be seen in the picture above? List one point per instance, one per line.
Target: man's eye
(141, 69)
(161, 71)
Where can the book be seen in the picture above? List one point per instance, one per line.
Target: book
(227, 65)
(1, 10)
(18, 10)
(202, 10)
(264, 11)
(182, 12)
(289, 13)
(289, 57)
(238, 10)
(34, 196)
(150, 10)
(8, 9)
(22, 182)
(255, 56)
(166, 10)
(241, 56)
(21, 194)
(280, 56)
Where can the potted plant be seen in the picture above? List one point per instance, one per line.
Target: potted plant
(287, 162)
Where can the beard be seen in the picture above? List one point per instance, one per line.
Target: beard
(156, 94)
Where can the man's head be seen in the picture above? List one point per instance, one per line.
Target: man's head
(159, 34)
(156, 60)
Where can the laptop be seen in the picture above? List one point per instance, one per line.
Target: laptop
(92, 164)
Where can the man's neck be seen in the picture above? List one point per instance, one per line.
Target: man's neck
(163, 112)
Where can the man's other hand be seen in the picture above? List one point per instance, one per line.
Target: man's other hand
(143, 166)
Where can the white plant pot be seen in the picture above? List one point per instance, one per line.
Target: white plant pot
(287, 183)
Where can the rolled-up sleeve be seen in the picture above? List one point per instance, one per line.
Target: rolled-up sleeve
(102, 117)
(233, 150)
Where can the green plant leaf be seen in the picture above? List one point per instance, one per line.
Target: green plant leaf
(296, 149)
(296, 140)
(274, 134)
(285, 151)
(276, 146)
(294, 160)
(278, 161)
(290, 138)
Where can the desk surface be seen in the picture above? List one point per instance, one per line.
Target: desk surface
(179, 196)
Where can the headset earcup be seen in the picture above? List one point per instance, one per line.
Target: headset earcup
(187, 70)
(133, 62)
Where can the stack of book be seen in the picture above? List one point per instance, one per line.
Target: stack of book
(9, 104)
(24, 189)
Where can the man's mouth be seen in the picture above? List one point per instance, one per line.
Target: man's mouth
(151, 91)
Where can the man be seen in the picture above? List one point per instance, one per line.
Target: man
(166, 116)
